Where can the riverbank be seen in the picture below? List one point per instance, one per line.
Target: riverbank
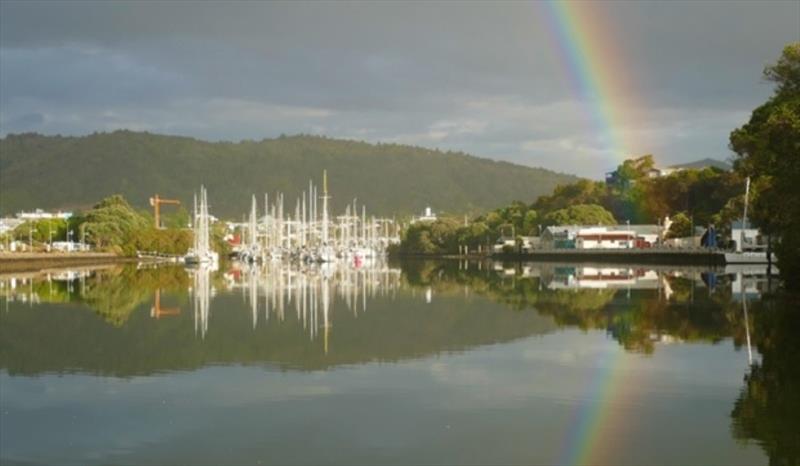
(639, 256)
(613, 256)
(33, 261)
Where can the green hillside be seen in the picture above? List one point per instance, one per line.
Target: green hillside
(74, 172)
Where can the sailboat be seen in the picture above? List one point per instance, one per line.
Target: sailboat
(201, 253)
(252, 253)
(325, 253)
(740, 256)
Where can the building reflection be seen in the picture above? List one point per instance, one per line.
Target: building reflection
(36, 288)
(748, 280)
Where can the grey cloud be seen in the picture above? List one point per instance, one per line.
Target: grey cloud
(23, 123)
(484, 78)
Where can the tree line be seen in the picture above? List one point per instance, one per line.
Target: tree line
(691, 196)
(113, 225)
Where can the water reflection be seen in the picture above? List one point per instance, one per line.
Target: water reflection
(311, 318)
(638, 307)
(144, 321)
(309, 290)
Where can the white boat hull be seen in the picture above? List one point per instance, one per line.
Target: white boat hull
(753, 257)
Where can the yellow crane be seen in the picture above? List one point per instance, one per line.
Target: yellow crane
(156, 202)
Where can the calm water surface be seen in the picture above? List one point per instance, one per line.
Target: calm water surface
(421, 362)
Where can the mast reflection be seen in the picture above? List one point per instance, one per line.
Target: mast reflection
(274, 288)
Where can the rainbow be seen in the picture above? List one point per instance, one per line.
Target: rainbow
(596, 70)
(599, 77)
(592, 430)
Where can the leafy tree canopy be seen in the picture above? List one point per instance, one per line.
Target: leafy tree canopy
(581, 214)
(768, 149)
(681, 226)
(635, 169)
(116, 226)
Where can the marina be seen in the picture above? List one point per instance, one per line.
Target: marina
(310, 234)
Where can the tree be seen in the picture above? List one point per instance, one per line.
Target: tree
(580, 192)
(437, 237)
(112, 222)
(181, 218)
(786, 71)
(42, 231)
(681, 227)
(474, 235)
(635, 169)
(768, 149)
(530, 223)
(581, 214)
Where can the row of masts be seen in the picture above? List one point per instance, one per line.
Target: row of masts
(308, 233)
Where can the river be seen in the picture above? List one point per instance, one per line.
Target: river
(422, 362)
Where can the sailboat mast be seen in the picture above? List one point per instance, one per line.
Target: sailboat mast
(194, 222)
(740, 243)
(325, 207)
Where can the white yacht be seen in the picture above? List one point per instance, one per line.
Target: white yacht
(201, 253)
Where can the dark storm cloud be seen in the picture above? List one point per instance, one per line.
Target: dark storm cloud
(485, 78)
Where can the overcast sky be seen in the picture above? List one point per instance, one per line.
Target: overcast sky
(484, 78)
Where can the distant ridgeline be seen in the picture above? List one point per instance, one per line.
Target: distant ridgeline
(51, 172)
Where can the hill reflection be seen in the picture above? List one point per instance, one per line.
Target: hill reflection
(319, 316)
(170, 318)
(166, 319)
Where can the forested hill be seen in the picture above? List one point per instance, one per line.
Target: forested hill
(75, 172)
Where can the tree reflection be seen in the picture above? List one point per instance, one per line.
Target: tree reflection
(768, 407)
(111, 292)
(636, 307)
(683, 307)
(115, 293)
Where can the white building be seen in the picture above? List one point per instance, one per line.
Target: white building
(746, 236)
(40, 214)
(69, 246)
(600, 237)
(528, 244)
(8, 224)
(603, 238)
(427, 216)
